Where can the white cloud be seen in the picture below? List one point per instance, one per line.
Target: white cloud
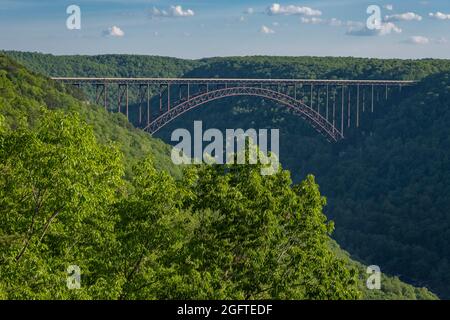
(421, 40)
(418, 40)
(278, 9)
(177, 11)
(439, 15)
(333, 22)
(386, 28)
(312, 20)
(114, 31)
(266, 30)
(155, 12)
(249, 11)
(407, 16)
(172, 12)
(389, 7)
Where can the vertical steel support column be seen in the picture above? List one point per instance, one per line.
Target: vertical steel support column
(386, 91)
(311, 101)
(119, 98)
(168, 96)
(318, 100)
(327, 100)
(141, 98)
(357, 107)
(189, 91)
(342, 111)
(148, 105)
(373, 88)
(126, 108)
(106, 95)
(295, 91)
(364, 100)
(334, 108)
(348, 108)
(160, 98)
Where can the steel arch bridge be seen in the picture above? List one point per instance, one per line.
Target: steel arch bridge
(322, 125)
(329, 106)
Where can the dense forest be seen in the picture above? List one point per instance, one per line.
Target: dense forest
(142, 229)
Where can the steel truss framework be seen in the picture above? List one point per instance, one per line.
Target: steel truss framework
(317, 102)
(313, 117)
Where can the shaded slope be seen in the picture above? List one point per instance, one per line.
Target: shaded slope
(389, 192)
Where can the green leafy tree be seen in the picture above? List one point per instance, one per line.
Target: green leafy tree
(227, 232)
(55, 187)
(149, 232)
(260, 237)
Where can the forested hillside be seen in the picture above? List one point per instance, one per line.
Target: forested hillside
(391, 190)
(104, 65)
(30, 93)
(25, 95)
(318, 68)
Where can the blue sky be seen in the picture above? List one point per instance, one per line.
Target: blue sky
(200, 28)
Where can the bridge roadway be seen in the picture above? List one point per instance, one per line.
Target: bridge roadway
(238, 81)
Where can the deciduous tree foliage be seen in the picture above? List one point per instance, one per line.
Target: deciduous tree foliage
(56, 186)
(220, 232)
(265, 237)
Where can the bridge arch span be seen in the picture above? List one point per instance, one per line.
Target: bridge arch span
(315, 119)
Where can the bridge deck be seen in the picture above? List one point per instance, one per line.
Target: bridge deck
(232, 81)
